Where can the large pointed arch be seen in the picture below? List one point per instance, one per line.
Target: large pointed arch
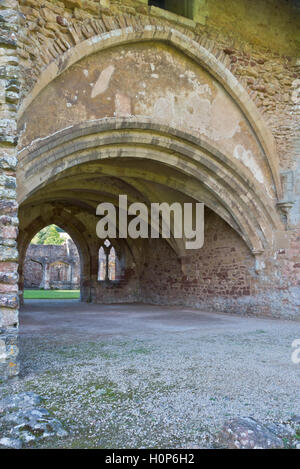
(67, 223)
(189, 47)
(196, 169)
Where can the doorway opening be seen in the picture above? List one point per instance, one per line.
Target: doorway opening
(180, 7)
(52, 266)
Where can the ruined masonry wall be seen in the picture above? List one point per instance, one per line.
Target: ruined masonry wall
(9, 96)
(65, 258)
(268, 67)
(261, 50)
(219, 277)
(264, 60)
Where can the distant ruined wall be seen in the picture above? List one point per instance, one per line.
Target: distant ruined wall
(59, 264)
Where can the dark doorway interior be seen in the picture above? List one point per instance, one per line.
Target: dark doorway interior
(158, 3)
(180, 7)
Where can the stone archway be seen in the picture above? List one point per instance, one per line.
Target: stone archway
(192, 162)
(188, 46)
(169, 139)
(169, 142)
(34, 226)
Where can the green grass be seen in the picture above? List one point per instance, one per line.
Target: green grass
(51, 294)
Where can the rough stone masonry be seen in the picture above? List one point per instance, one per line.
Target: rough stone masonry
(52, 267)
(9, 96)
(162, 104)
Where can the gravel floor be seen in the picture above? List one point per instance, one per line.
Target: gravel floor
(136, 376)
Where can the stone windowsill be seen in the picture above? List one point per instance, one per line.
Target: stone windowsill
(109, 283)
(168, 15)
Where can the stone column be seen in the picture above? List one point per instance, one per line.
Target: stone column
(9, 98)
(46, 276)
(70, 275)
(93, 280)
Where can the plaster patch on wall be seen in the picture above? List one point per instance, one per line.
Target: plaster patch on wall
(122, 105)
(163, 109)
(192, 112)
(102, 83)
(203, 89)
(224, 118)
(247, 158)
(197, 113)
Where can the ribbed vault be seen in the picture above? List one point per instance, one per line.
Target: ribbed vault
(190, 48)
(86, 164)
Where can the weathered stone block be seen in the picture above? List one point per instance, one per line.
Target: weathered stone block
(8, 162)
(8, 207)
(8, 193)
(8, 267)
(9, 278)
(9, 72)
(7, 288)
(248, 433)
(73, 3)
(8, 182)
(8, 319)
(8, 232)
(8, 39)
(8, 253)
(9, 301)
(6, 220)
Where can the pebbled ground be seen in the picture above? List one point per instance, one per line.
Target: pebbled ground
(139, 376)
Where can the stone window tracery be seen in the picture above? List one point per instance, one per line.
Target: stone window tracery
(108, 265)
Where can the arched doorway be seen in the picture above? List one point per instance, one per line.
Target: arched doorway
(50, 263)
(128, 130)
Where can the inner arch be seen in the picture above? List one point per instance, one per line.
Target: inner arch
(186, 45)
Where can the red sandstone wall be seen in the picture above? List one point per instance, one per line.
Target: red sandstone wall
(261, 51)
(127, 290)
(39, 255)
(222, 270)
(33, 274)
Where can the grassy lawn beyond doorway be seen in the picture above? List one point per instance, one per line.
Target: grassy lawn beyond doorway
(51, 294)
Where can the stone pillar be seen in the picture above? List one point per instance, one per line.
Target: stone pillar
(21, 283)
(70, 275)
(107, 265)
(93, 280)
(9, 98)
(46, 276)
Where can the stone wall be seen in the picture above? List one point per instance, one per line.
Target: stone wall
(212, 278)
(222, 276)
(33, 274)
(52, 267)
(260, 49)
(9, 97)
(256, 48)
(125, 290)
